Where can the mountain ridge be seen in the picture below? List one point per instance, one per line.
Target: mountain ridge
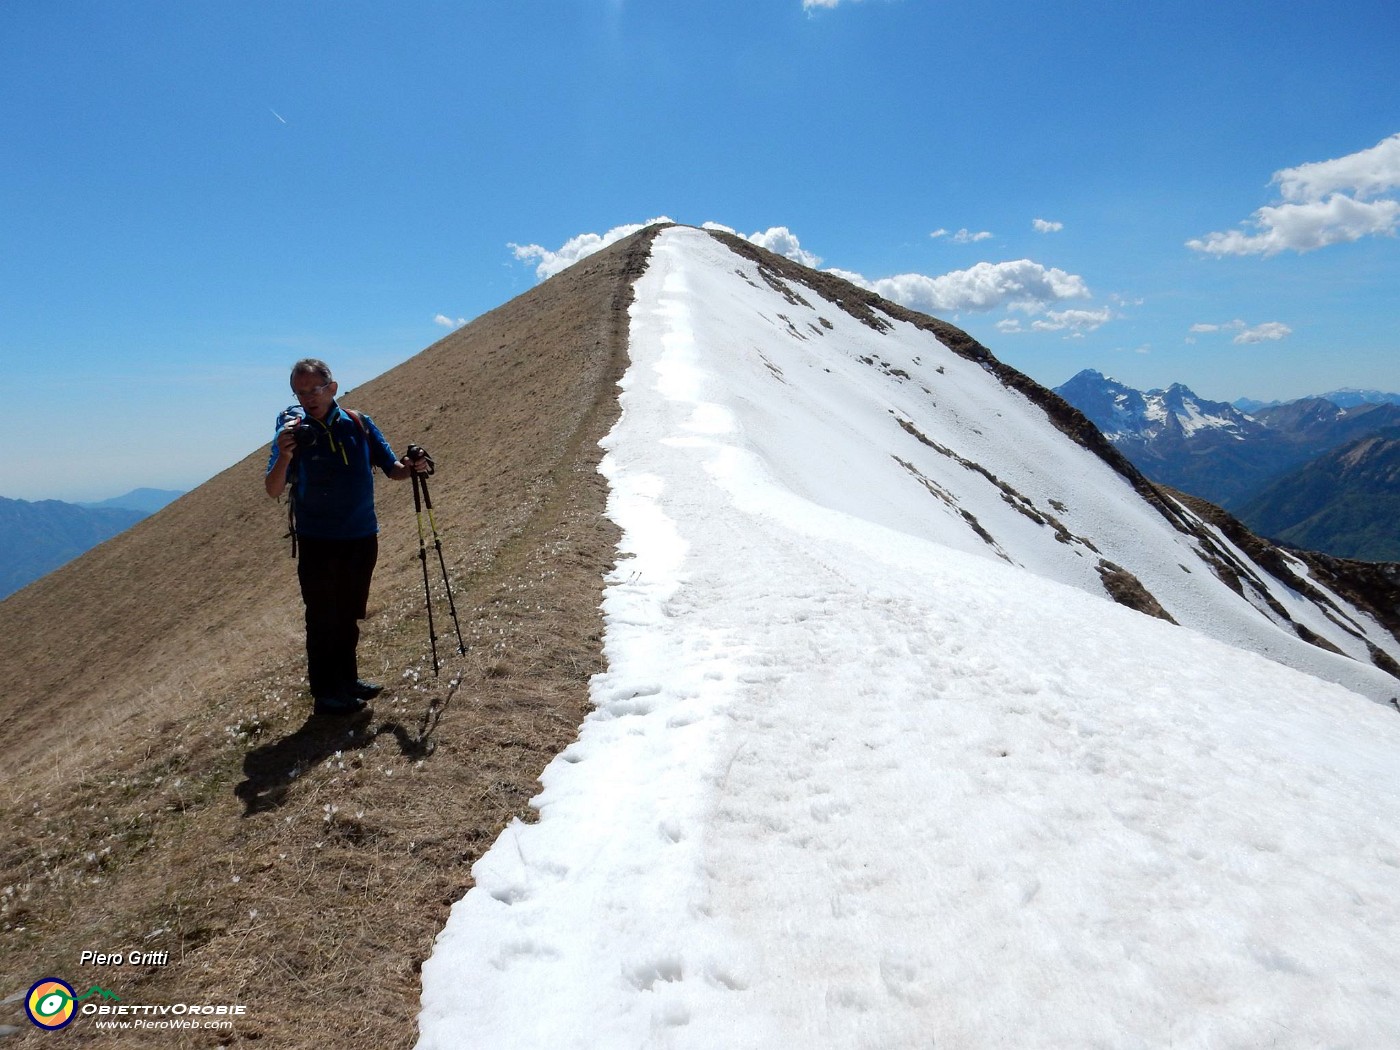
(160, 752)
(1296, 572)
(865, 683)
(1345, 500)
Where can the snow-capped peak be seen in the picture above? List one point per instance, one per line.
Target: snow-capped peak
(1123, 412)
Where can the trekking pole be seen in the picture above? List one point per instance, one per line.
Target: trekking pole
(415, 453)
(437, 542)
(423, 560)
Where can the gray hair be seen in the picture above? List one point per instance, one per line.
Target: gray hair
(312, 366)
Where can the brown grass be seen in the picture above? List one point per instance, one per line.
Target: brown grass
(164, 788)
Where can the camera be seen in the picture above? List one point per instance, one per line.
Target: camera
(303, 433)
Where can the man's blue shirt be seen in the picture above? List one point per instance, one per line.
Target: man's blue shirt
(333, 480)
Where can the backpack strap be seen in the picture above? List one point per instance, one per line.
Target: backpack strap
(292, 520)
(292, 502)
(358, 419)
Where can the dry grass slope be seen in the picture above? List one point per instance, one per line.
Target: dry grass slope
(163, 787)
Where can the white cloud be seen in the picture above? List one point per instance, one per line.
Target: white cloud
(551, 261)
(964, 236)
(1366, 174)
(1077, 321)
(784, 242)
(1047, 226)
(448, 322)
(1324, 203)
(1305, 227)
(1022, 284)
(811, 5)
(1270, 331)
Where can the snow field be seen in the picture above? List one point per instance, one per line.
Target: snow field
(849, 785)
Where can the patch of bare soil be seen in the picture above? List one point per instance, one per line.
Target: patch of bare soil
(164, 789)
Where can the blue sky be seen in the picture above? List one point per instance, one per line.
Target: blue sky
(192, 196)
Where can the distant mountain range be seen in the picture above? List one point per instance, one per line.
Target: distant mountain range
(148, 501)
(1345, 500)
(38, 537)
(1264, 464)
(1348, 398)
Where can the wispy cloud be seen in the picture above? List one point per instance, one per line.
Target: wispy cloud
(448, 322)
(963, 236)
(1324, 203)
(1076, 322)
(812, 5)
(1046, 226)
(1269, 331)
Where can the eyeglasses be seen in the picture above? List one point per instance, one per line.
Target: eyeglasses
(315, 391)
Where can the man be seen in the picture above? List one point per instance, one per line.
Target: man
(330, 468)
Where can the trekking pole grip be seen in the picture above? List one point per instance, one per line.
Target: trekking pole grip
(416, 453)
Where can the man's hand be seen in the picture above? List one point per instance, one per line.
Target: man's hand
(418, 460)
(276, 479)
(287, 439)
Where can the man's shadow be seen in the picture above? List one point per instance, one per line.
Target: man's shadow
(270, 771)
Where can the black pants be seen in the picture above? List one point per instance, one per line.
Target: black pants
(334, 577)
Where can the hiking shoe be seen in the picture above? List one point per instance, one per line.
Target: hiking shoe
(362, 690)
(339, 706)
